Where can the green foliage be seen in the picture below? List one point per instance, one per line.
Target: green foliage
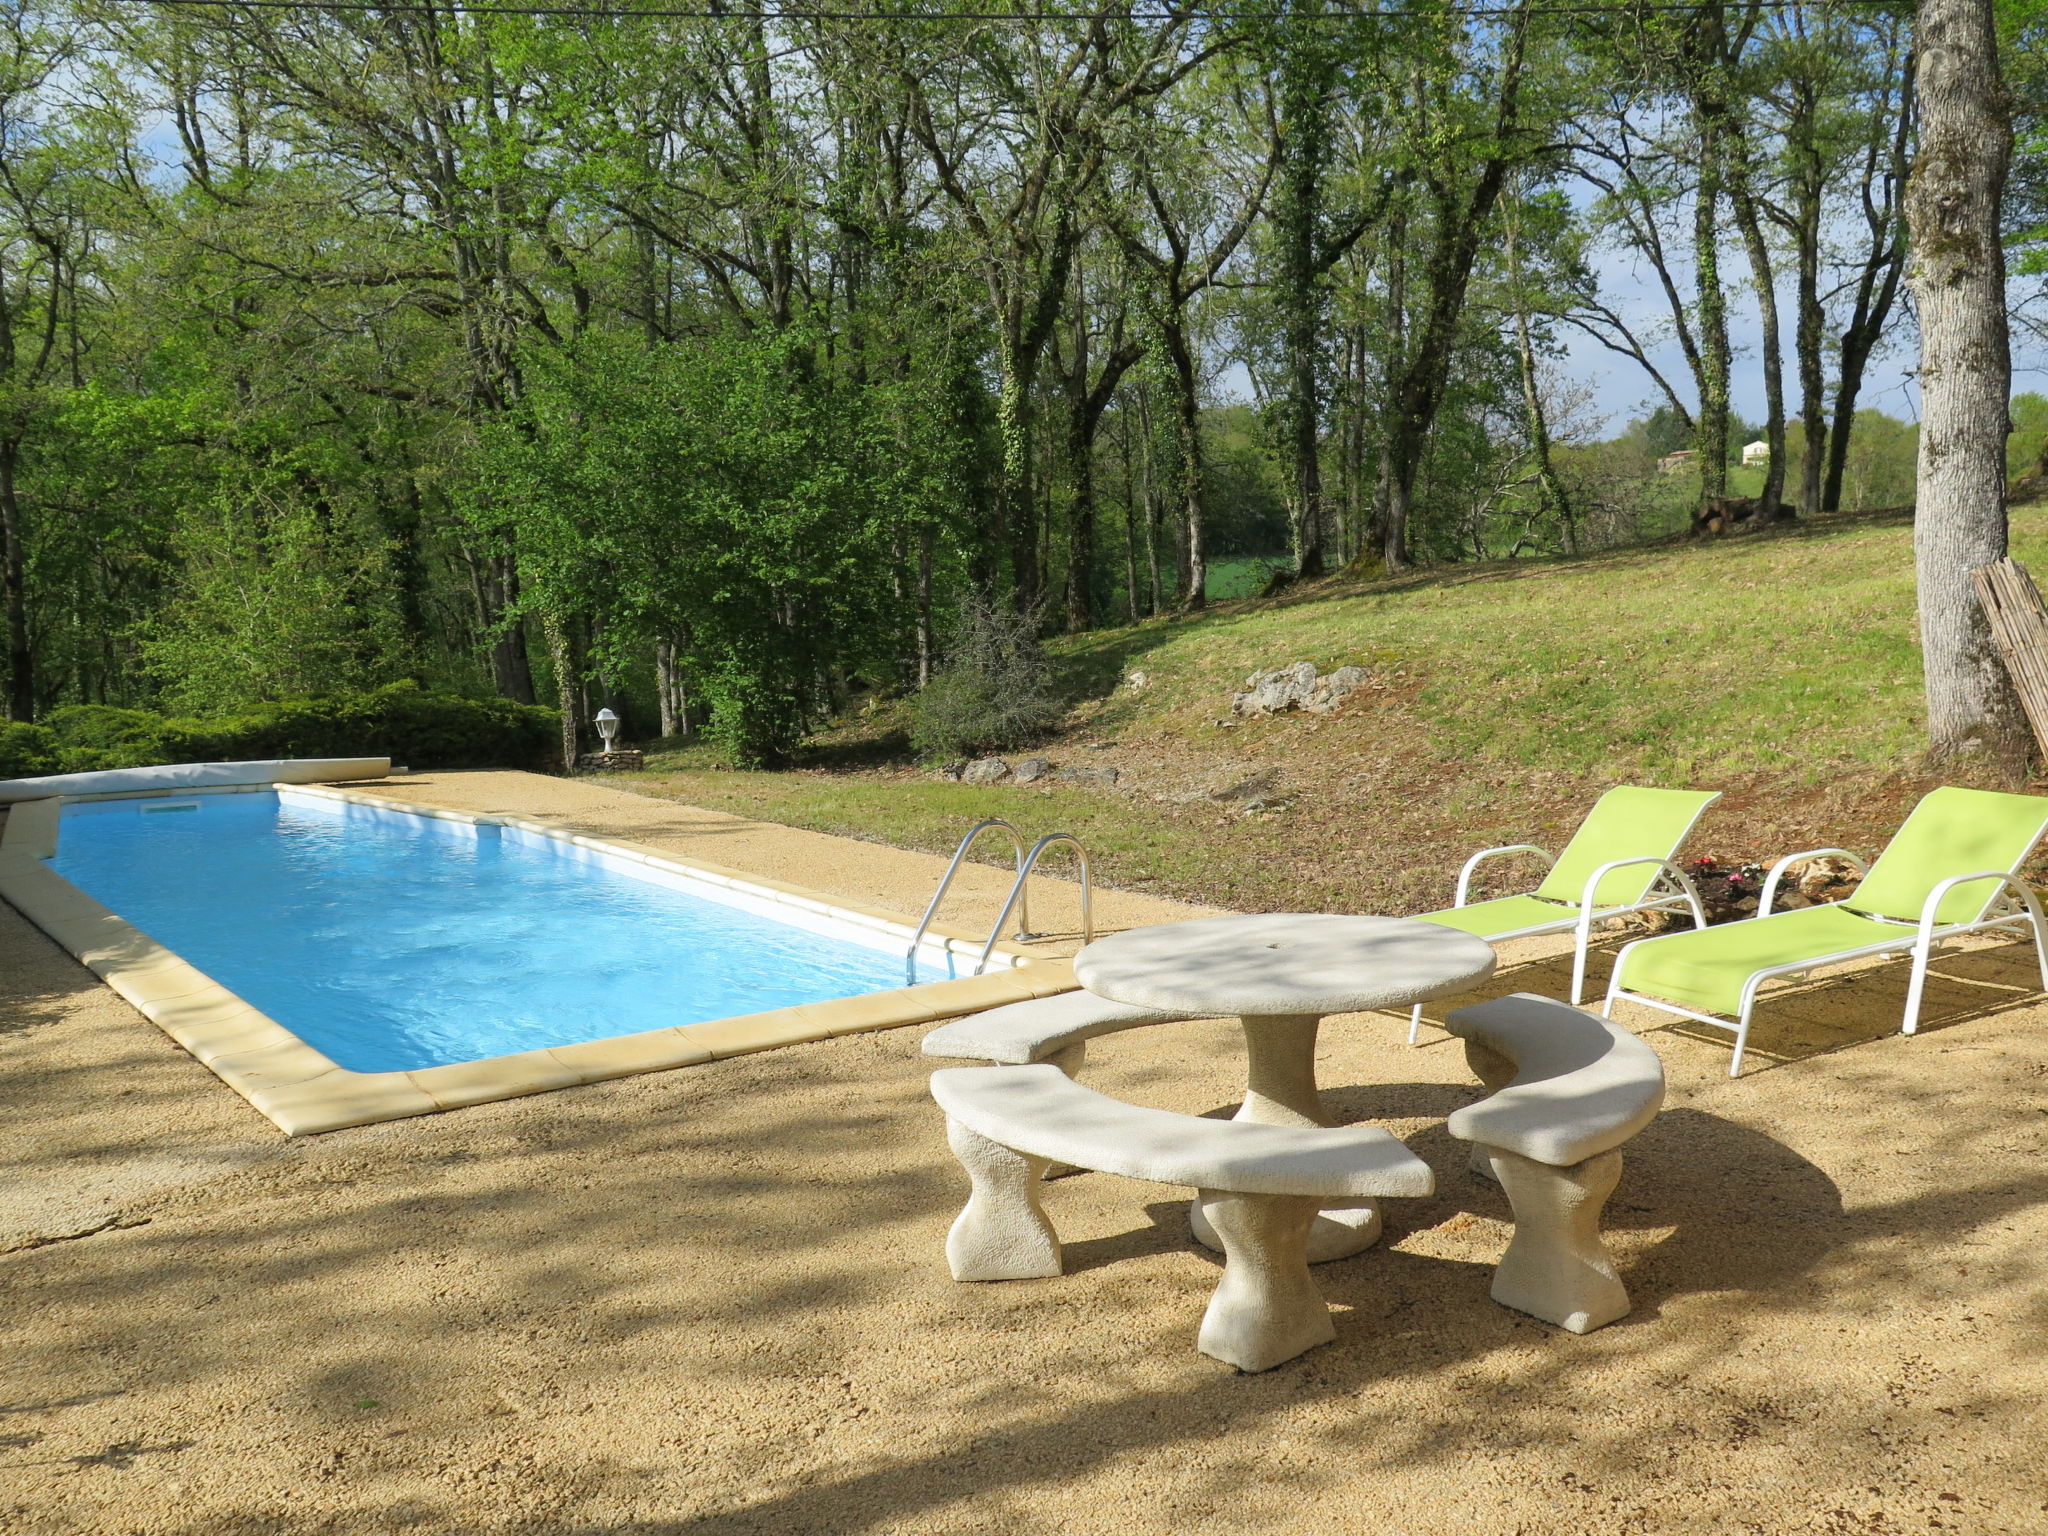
(1883, 465)
(700, 339)
(90, 736)
(401, 720)
(995, 691)
(1662, 431)
(2027, 448)
(1244, 575)
(273, 601)
(1242, 488)
(27, 750)
(733, 493)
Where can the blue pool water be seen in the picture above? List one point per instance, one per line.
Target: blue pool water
(402, 942)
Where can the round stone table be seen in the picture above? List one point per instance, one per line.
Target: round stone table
(1281, 973)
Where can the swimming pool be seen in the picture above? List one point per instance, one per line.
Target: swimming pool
(391, 941)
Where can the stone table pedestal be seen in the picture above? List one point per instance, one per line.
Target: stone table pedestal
(1282, 974)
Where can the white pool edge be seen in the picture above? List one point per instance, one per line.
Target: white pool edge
(302, 1091)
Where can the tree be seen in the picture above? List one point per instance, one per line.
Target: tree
(1554, 498)
(1014, 129)
(1460, 186)
(45, 237)
(1163, 201)
(1958, 280)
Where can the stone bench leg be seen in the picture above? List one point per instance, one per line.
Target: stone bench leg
(1002, 1234)
(1069, 1060)
(1496, 1072)
(1556, 1267)
(1266, 1309)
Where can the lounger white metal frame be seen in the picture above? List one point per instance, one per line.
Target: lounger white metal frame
(1914, 940)
(1582, 918)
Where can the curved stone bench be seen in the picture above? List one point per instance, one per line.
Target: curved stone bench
(1055, 1029)
(1262, 1186)
(1565, 1090)
(1042, 1029)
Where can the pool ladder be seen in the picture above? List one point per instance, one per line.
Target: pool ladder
(1019, 898)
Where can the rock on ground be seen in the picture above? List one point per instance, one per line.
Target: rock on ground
(1296, 687)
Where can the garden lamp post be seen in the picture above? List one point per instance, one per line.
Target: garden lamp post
(608, 728)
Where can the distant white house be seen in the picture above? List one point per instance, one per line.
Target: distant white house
(1756, 453)
(1677, 463)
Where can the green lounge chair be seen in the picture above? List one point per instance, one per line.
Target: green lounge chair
(1622, 860)
(1953, 868)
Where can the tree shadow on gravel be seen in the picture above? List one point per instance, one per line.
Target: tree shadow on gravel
(1403, 1316)
(43, 976)
(722, 1250)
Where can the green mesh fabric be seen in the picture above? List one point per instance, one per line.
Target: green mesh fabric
(1951, 832)
(1627, 823)
(1706, 968)
(1511, 914)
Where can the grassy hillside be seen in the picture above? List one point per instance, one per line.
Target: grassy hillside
(1785, 651)
(1780, 667)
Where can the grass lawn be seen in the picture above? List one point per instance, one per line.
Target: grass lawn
(1781, 667)
(1761, 652)
(1236, 576)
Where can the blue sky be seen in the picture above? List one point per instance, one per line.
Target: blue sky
(1621, 390)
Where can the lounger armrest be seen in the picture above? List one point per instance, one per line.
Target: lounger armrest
(1932, 906)
(1763, 906)
(1669, 866)
(1471, 864)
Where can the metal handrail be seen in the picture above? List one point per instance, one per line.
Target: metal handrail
(1017, 893)
(960, 853)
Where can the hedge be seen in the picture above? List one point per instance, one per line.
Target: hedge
(407, 723)
(27, 750)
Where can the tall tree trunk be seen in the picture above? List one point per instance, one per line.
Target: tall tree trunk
(1460, 225)
(1354, 447)
(1297, 217)
(511, 673)
(669, 691)
(1081, 530)
(1188, 440)
(1958, 279)
(1397, 353)
(1017, 502)
(1130, 522)
(1812, 365)
(1877, 286)
(21, 677)
(1155, 567)
(1155, 509)
(1710, 112)
(1746, 217)
(1080, 470)
(568, 687)
(925, 645)
(1556, 500)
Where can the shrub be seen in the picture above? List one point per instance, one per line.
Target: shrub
(90, 736)
(995, 691)
(757, 722)
(415, 727)
(26, 750)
